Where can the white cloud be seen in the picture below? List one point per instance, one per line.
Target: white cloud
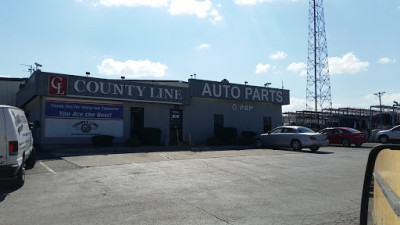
(278, 55)
(349, 63)
(203, 47)
(250, 2)
(134, 3)
(132, 69)
(300, 68)
(201, 9)
(296, 104)
(262, 68)
(386, 60)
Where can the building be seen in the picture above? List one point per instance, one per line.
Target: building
(69, 109)
(8, 90)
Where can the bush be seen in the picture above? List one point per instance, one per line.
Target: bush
(214, 141)
(102, 140)
(246, 138)
(229, 135)
(132, 142)
(151, 136)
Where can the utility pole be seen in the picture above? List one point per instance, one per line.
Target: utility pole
(379, 94)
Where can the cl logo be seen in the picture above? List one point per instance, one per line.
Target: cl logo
(58, 85)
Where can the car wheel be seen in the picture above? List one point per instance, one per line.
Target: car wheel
(20, 176)
(258, 143)
(296, 145)
(314, 148)
(359, 144)
(31, 161)
(345, 143)
(383, 139)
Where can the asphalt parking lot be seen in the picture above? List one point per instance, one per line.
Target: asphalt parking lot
(251, 186)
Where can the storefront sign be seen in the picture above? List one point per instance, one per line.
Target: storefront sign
(81, 119)
(209, 89)
(246, 108)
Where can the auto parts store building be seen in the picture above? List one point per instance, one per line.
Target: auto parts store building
(69, 109)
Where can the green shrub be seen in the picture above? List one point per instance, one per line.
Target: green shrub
(248, 134)
(229, 135)
(132, 142)
(214, 141)
(151, 136)
(102, 140)
(246, 138)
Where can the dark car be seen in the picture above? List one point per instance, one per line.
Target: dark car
(295, 137)
(344, 136)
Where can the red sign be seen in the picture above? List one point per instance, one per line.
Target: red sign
(58, 85)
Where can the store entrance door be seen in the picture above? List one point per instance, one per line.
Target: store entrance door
(176, 126)
(137, 123)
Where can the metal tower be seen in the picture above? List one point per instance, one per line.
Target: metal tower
(318, 93)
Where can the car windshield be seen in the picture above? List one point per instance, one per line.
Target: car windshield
(305, 130)
(353, 130)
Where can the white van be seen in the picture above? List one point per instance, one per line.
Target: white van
(16, 145)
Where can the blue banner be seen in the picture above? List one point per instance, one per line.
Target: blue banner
(77, 110)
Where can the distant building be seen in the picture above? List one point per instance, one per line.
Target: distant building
(69, 109)
(8, 90)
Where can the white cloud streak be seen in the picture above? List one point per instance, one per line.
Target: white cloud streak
(132, 69)
(201, 9)
(262, 68)
(300, 68)
(278, 55)
(250, 2)
(386, 60)
(348, 63)
(203, 47)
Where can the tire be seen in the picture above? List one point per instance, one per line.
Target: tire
(258, 143)
(31, 161)
(20, 176)
(314, 148)
(345, 143)
(359, 144)
(383, 139)
(296, 145)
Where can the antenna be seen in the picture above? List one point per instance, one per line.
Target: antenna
(30, 68)
(318, 89)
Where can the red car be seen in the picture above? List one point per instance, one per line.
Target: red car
(344, 135)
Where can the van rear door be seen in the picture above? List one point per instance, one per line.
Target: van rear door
(3, 139)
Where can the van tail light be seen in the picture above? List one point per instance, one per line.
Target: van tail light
(312, 137)
(13, 147)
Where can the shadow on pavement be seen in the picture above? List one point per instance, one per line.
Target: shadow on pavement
(6, 187)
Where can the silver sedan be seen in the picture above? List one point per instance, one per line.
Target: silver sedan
(295, 137)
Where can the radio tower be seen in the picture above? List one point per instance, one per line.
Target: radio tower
(318, 93)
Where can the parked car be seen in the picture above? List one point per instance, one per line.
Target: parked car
(295, 137)
(386, 136)
(345, 136)
(16, 145)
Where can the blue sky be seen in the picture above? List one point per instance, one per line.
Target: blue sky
(257, 41)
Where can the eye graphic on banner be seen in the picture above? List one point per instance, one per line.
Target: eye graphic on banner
(85, 126)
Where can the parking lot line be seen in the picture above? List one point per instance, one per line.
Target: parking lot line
(47, 168)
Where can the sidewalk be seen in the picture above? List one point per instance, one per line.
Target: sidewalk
(58, 151)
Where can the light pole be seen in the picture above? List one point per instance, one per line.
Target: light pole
(379, 94)
(395, 105)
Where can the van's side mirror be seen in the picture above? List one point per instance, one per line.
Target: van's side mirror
(380, 202)
(31, 125)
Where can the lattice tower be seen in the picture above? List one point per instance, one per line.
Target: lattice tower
(318, 93)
